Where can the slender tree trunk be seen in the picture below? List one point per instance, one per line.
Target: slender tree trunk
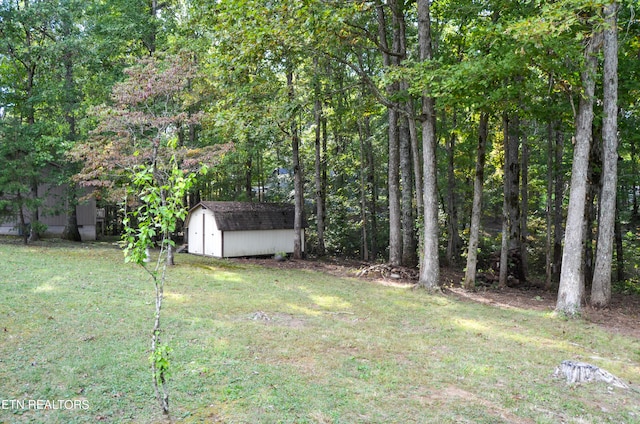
(373, 184)
(248, 173)
(524, 209)
(409, 243)
(408, 237)
(635, 209)
(31, 121)
(297, 176)
(476, 212)
(549, 207)
(504, 245)
(512, 200)
(323, 171)
(363, 195)
(23, 221)
(594, 185)
(558, 228)
(159, 374)
(150, 42)
(415, 155)
(429, 265)
(571, 288)
(71, 231)
(513, 181)
(395, 212)
(601, 286)
(453, 241)
(318, 166)
(619, 250)
(35, 215)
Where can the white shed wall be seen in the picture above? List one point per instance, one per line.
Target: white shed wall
(252, 243)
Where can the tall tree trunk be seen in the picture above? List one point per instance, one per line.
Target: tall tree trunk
(453, 239)
(71, 231)
(513, 182)
(35, 215)
(594, 185)
(504, 244)
(635, 209)
(507, 188)
(248, 173)
(415, 156)
(476, 211)
(571, 288)
(524, 208)
(31, 121)
(409, 242)
(150, 41)
(511, 200)
(23, 221)
(619, 248)
(323, 169)
(317, 108)
(393, 182)
(363, 193)
(429, 265)
(601, 286)
(395, 217)
(558, 228)
(549, 207)
(297, 176)
(373, 184)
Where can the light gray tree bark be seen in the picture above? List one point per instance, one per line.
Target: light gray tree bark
(601, 286)
(429, 264)
(476, 212)
(571, 288)
(395, 211)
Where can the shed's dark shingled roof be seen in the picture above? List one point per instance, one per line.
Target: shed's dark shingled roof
(239, 216)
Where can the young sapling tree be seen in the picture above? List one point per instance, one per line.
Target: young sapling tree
(160, 196)
(136, 150)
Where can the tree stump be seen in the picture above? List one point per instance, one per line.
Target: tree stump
(581, 372)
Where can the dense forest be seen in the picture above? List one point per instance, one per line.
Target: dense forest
(458, 133)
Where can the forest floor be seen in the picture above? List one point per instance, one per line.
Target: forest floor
(622, 316)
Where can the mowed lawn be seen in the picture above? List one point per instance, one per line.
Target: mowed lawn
(265, 345)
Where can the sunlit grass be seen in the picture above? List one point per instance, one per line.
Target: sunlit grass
(262, 345)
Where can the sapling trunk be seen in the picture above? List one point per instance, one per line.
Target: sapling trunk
(158, 352)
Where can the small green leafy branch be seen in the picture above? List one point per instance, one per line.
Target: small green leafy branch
(159, 204)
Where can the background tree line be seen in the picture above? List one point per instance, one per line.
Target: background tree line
(464, 133)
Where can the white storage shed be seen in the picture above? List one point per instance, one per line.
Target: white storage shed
(232, 229)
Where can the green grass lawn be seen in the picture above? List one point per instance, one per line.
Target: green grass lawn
(262, 345)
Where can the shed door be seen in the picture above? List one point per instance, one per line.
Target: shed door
(195, 233)
(208, 234)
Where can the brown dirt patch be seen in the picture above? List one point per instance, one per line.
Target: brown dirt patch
(622, 316)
